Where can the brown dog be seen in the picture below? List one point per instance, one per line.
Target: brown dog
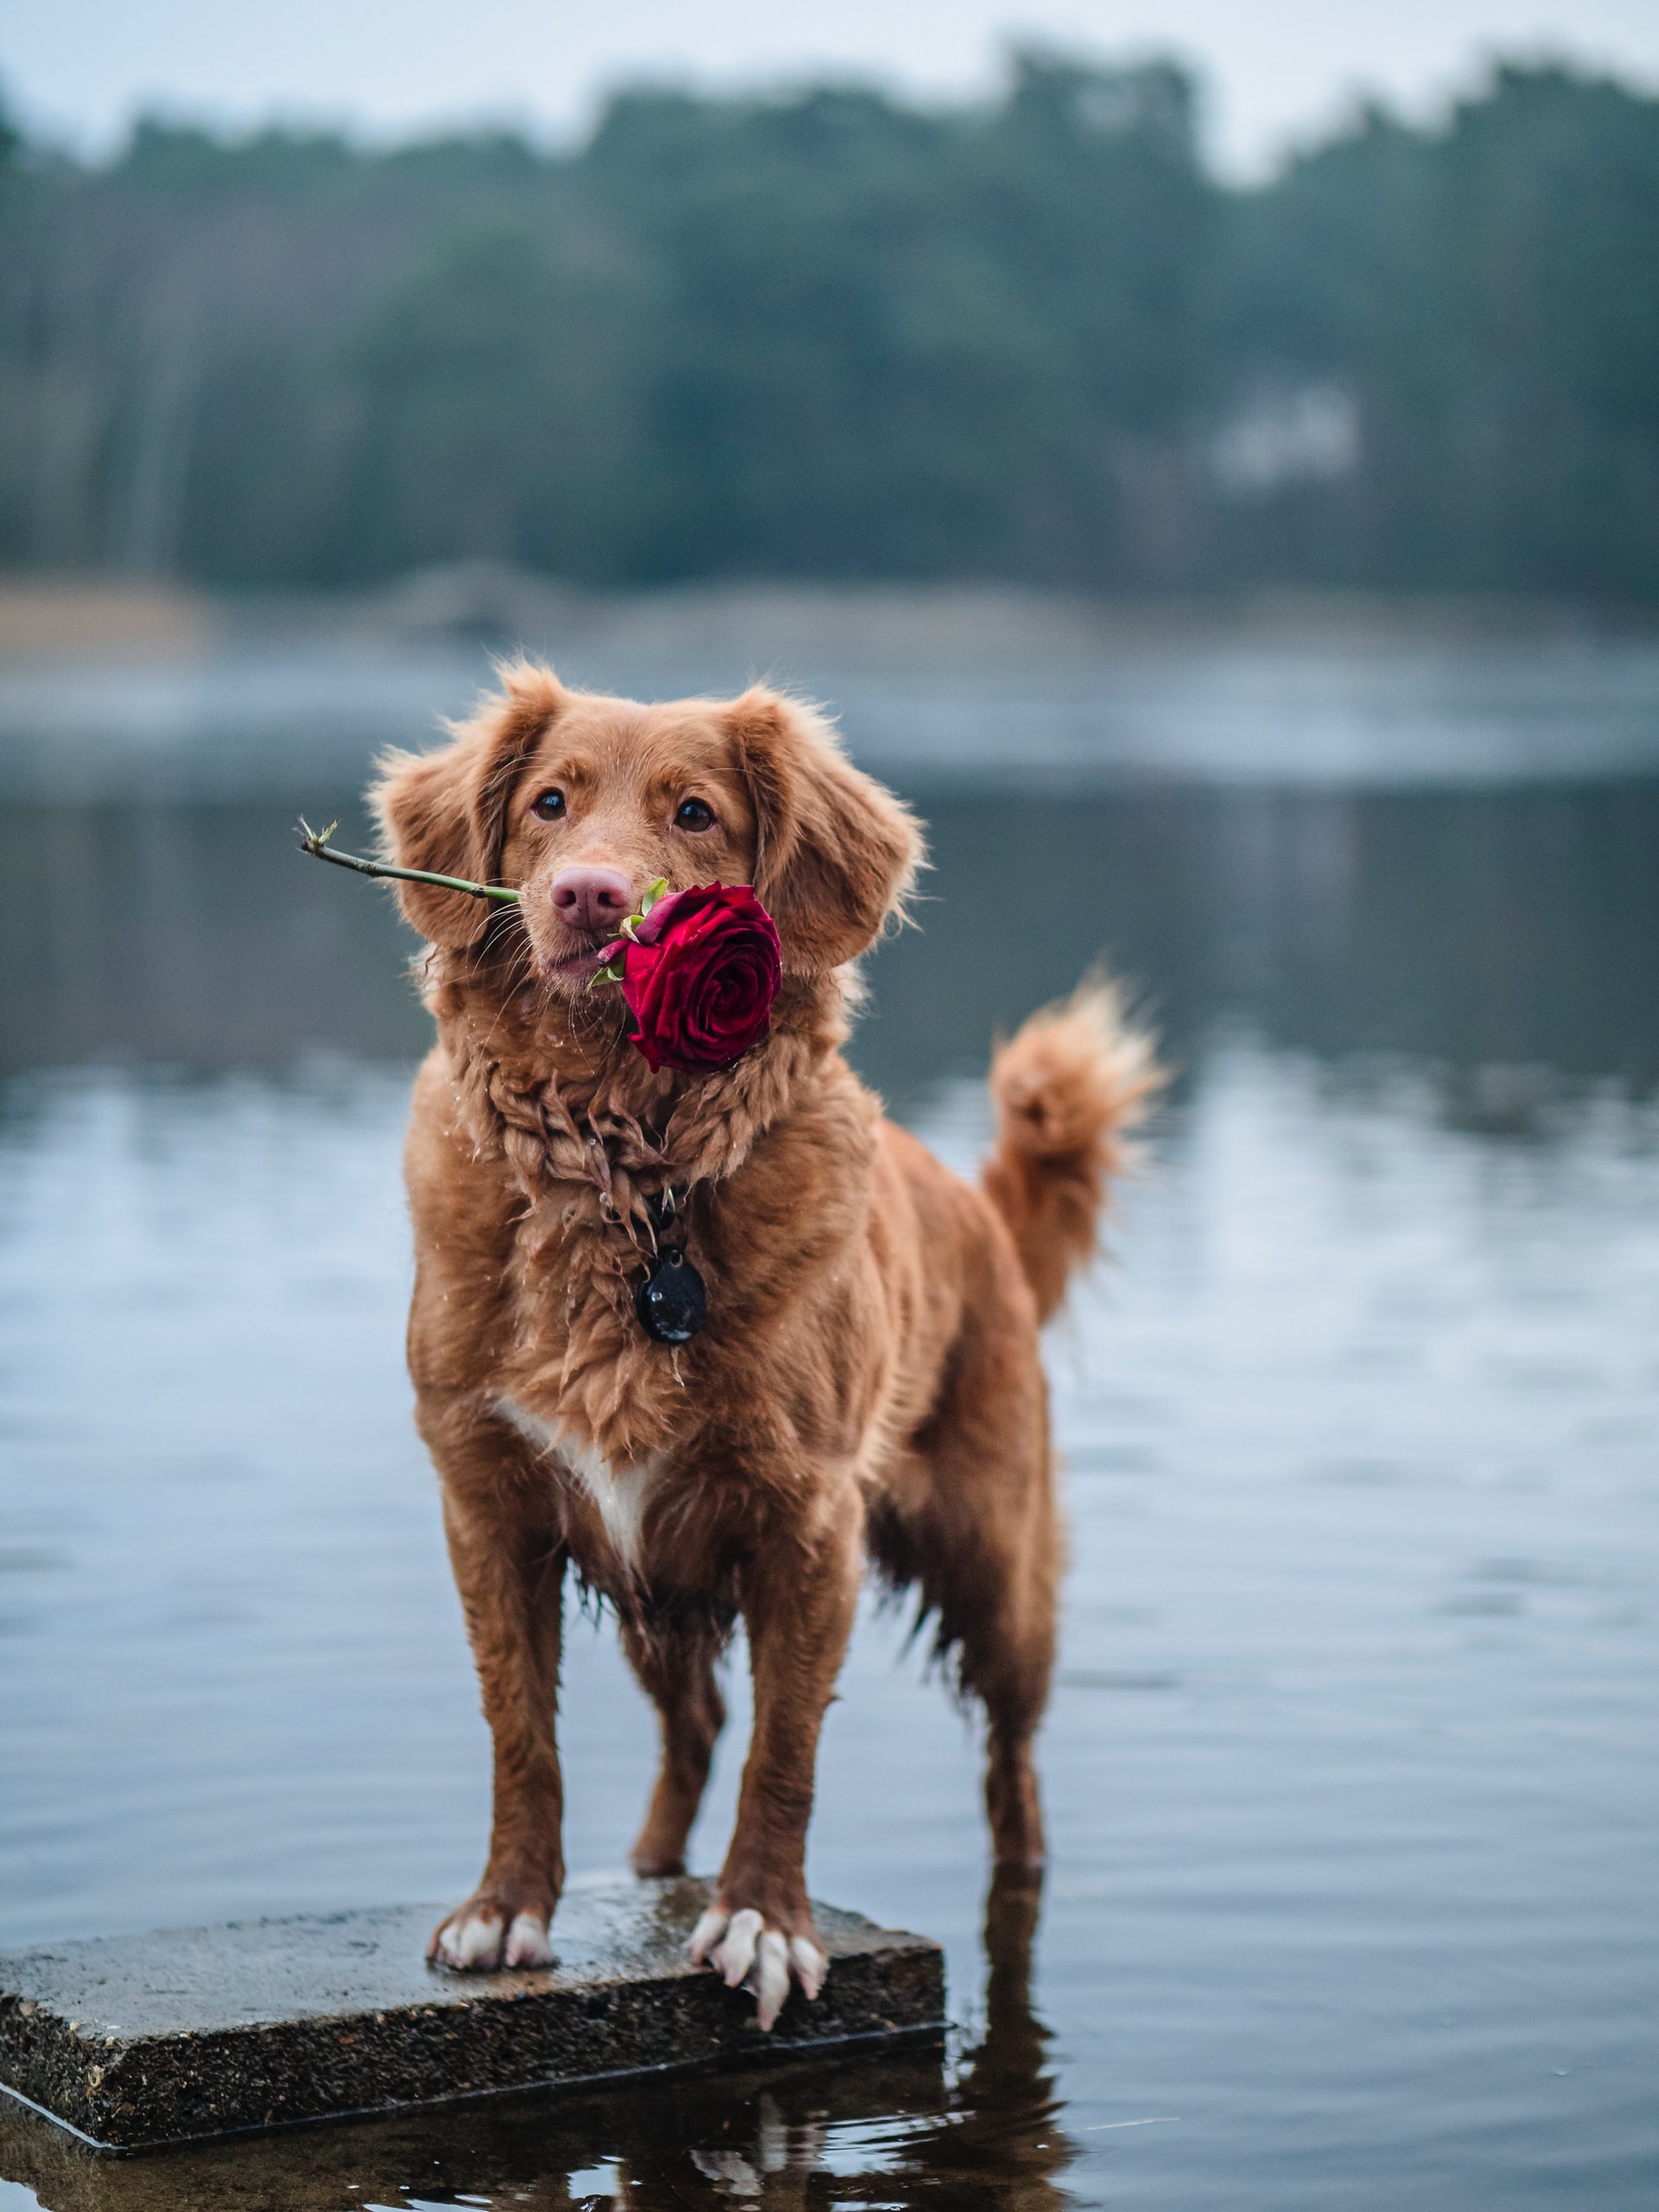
(868, 1378)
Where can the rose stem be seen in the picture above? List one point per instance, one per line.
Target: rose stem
(315, 841)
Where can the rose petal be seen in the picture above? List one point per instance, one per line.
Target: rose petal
(700, 976)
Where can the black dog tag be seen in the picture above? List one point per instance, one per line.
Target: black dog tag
(671, 1302)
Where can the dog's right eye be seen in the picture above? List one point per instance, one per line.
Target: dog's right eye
(549, 806)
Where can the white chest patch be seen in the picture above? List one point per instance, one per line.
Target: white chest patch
(621, 1494)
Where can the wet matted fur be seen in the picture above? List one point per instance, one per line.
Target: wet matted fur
(868, 1381)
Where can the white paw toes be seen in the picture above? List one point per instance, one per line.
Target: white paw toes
(810, 1964)
(470, 1940)
(742, 1949)
(707, 1933)
(476, 1941)
(735, 1955)
(771, 1976)
(528, 1943)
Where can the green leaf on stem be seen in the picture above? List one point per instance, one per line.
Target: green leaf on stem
(629, 933)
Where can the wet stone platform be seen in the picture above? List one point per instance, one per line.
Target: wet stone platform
(136, 2042)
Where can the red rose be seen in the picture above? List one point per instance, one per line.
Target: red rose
(699, 977)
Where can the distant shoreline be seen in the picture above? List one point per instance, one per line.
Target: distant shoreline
(51, 619)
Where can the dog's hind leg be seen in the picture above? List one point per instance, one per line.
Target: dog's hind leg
(995, 1589)
(1007, 1658)
(972, 1518)
(677, 1668)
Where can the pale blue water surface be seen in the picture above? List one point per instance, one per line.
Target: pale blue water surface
(1352, 1766)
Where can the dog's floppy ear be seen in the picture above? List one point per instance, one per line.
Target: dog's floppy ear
(446, 811)
(835, 853)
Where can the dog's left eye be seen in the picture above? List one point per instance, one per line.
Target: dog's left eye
(694, 814)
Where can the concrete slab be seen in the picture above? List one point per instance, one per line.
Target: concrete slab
(134, 2042)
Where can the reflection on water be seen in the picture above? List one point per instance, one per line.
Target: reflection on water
(1349, 1767)
(1514, 928)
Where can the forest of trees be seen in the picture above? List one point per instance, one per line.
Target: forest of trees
(831, 336)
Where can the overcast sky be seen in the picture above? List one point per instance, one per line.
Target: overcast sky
(1277, 70)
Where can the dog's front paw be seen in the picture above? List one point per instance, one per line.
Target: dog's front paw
(491, 1931)
(744, 1947)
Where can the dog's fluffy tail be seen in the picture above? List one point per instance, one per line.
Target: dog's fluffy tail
(1068, 1087)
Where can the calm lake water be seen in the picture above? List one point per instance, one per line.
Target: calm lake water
(1351, 1765)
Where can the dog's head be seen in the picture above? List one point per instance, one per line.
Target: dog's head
(581, 803)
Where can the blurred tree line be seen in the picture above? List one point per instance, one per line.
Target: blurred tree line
(834, 335)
